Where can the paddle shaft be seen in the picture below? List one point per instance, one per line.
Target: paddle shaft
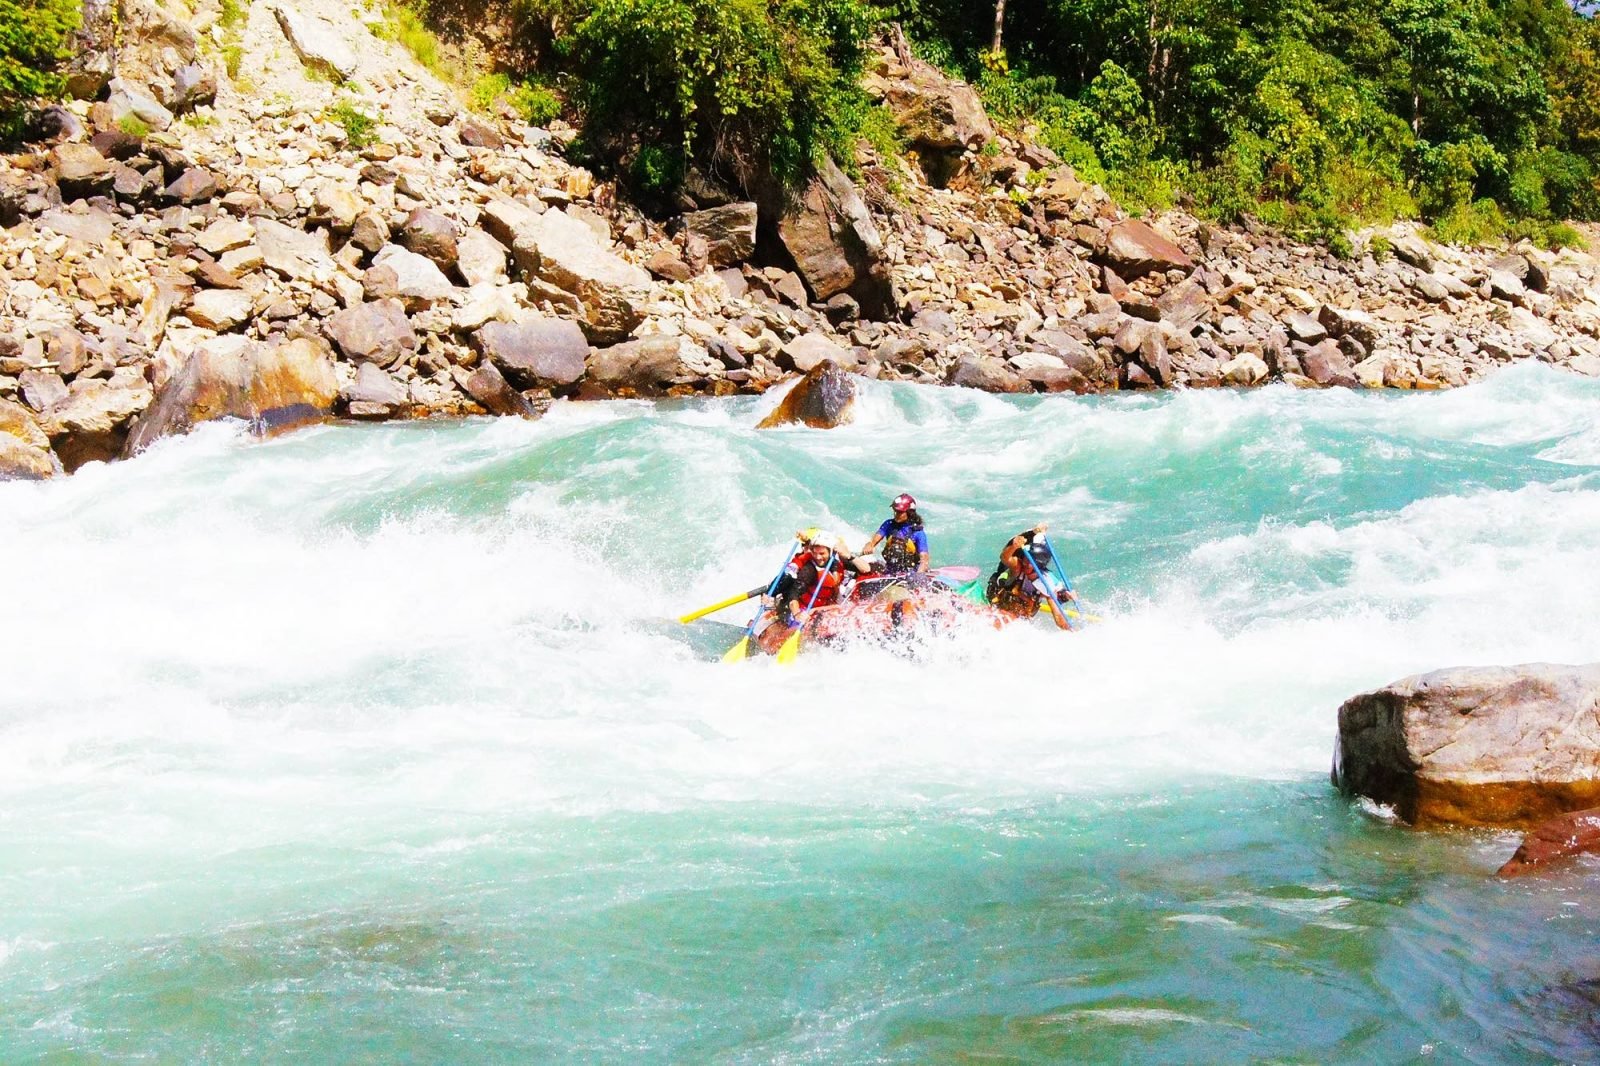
(729, 602)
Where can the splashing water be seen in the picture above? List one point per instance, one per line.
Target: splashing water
(371, 742)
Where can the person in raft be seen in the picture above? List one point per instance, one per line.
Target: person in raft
(821, 571)
(1023, 580)
(905, 545)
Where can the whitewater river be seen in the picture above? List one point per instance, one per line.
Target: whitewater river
(372, 743)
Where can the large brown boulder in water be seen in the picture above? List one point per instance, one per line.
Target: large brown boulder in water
(823, 399)
(274, 387)
(1502, 746)
(1559, 838)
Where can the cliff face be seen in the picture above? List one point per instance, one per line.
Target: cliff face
(336, 197)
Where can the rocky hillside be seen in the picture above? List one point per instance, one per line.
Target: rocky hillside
(330, 233)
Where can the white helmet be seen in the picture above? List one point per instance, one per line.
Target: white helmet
(823, 537)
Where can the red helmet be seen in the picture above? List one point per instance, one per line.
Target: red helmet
(903, 502)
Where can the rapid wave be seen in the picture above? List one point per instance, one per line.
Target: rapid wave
(403, 619)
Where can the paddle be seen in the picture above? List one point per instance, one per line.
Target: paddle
(729, 602)
(1060, 572)
(741, 651)
(1055, 608)
(791, 647)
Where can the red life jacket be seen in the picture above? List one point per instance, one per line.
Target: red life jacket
(809, 575)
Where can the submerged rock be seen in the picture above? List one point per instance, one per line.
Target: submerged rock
(273, 387)
(823, 399)
(1503, 746)
(1559, 838)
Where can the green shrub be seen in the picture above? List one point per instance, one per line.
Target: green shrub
(360, 128)
(1381, 247)
(487, 89)
(133, 126)
(537, 104)
(35, 40)
(655, 169)
(234, 14)
(232, 59)
(403, 24)
(745, 88)
(1478, 222)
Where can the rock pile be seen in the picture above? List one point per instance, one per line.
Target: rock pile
(333, 209)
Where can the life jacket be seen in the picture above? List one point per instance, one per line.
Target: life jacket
(1013, 592)
(900, 552)
(810, 574)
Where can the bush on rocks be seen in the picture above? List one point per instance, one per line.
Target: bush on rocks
(35, 36)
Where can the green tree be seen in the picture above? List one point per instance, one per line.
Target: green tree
(34, 42)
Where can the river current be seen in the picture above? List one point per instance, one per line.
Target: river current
(375, 743)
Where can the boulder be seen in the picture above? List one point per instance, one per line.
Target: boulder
(1134, 249)
(480, 258)
(294, 253)
(494, 394)
(92, 422)
(25, 453)
(42, 389)
(418, 282)
(729, 232)
(1244, 369)
(987, 373)
(274, 387)
(810, 350)
(195, 185)
(561, 251)
(430, 234)
(1326, 365)
(835, 245)
(80, 170)
(1558, 838)
(1350, 322)
(541, 352)
(319, 45)
(377, 331)
(194, 85)
(128, 101)
(650, 364)
(1506, 746)
(373, 394)
(220, 309)
(824, 398)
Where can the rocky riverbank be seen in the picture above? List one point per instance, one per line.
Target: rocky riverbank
(331, 234)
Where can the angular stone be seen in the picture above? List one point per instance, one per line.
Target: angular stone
(374, 394)
(378, 332)
(25, 453)
(92, 422)
(1350, 322)
(128, 101)
(220, 309)
(539, 352)
(194, 85)
(369, 231)
(1559, 838)
(1304, 327)
(42, 389)
(418, 281)
(93, 228)
(274, 387)
(1244, 369)
(809, 350)
(1506, 746)
(988, 374)
(294, 253)
(729, 232)
(480, 259)
(1135, 249)
(563, 252)
(319, 45)
(487, 386)
(824, 398)
(835, 244)
(1327, 366)
(431, 235)
(80, 170)
(648, 365)
(225, 234)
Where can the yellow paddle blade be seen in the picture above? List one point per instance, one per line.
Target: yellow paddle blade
(702, 612)
(1044, 605)
(739, 652)
(790, 650)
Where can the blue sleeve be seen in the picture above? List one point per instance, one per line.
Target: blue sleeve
(883, 530)
(920, 539)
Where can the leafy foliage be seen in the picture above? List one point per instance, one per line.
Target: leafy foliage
(35, 37)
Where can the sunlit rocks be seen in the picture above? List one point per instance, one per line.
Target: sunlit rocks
(1505, 746)
(24, 449)
(823, 399)
(271, 386)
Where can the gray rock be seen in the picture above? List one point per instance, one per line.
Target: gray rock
(128, 101)
(418, 281)
(539, 352)
(42, 389)
(648, 365)
(431, 235)
(93, 227)
(985, 372)
(1134, 249)
(1476, 745)
(378, 332)
(319, 45)
(480, 258)
(194, 85)
(294, 253)
(835, 244)
(374, 394)
(729, 232)
(220, 309)
(487, 386)
(80, 170)
(194, 186)
(1350, 322)
(1327, 366)
(810, 350)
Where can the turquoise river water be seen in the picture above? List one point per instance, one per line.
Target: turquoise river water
(372, 744)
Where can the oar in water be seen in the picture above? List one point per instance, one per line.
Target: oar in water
(1044, 586)
(740, 651)
(1060, 572)
(729, 602)
(791, 647)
